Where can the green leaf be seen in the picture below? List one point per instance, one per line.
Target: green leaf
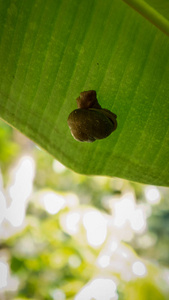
(52, 50)
(155, 11)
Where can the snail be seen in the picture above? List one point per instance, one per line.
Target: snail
(90, 122)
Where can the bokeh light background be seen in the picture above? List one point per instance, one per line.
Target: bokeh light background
(70, 236)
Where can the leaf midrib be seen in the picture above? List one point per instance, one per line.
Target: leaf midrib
(152, 15)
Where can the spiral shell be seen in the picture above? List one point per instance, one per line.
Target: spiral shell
(90, 122)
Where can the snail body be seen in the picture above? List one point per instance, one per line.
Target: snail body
(90, 122)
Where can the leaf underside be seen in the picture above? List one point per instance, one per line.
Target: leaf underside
(155, 11)
(50, 51)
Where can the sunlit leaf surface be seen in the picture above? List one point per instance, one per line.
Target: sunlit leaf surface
(155, 11)
(52, 50)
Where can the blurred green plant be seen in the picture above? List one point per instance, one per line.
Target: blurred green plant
(79, 231)
(8, 148)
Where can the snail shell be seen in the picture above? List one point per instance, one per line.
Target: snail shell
(90, 122)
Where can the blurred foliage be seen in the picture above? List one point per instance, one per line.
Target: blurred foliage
(49, 262)
(8, 148)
